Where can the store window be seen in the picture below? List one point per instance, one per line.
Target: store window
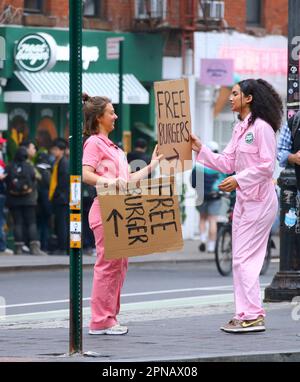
(254, 12)
(93, 8)
(34, 6)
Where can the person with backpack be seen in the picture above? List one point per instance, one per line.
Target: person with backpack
(22, 201)
(208, 201)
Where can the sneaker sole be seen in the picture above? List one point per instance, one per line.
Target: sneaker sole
(106, 332)
(244, 330)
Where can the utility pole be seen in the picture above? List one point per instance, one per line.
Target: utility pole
(75, 25)
(286, 283)
(121, 86)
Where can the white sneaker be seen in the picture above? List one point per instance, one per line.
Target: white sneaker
(116, 330)
(211, 246)
(7, 251)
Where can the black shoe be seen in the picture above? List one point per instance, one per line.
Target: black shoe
(202, 247)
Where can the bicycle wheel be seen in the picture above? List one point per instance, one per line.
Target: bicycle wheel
(223, 250)
(267, 259)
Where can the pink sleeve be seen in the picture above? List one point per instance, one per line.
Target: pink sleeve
(263, 170)
(224, 162)
(92, 153)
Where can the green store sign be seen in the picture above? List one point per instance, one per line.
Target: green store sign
(36, 52)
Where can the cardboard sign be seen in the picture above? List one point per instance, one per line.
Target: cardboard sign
(146, 219)
(173, 125)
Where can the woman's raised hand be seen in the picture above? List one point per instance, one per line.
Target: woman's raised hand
(156, 157)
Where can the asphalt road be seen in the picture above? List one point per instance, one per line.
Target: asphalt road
(41, 291)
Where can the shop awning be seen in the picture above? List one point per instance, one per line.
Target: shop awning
(53, 87)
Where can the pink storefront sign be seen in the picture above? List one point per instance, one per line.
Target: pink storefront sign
(216, 71)
(257, 61)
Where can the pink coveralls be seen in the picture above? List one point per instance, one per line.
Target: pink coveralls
(251, 154)
(108, 161)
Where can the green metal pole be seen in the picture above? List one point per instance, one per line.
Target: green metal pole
(75, 22)
(120, 109)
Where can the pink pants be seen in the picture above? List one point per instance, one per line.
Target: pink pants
(252, 222)
(109, 276)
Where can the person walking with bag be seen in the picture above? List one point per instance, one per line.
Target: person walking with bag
(104, 163)
(22, 201)
(251, 154)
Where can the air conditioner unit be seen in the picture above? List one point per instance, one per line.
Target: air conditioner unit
(146, 9)
(211, 10)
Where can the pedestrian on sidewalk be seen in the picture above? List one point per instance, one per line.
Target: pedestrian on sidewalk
(22, 202)
(289, 147)
(251, 154)
(209, 201)
(3, 248)
(109, 275)
(59, 189)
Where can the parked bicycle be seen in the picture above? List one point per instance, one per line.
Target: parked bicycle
(223, 248)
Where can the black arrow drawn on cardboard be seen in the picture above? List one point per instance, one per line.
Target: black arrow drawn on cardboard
(115, 214)
(174, 156)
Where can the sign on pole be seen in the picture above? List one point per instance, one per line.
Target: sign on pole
(146, 219)
(173, 125)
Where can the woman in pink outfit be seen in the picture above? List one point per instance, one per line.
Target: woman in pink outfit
(104, 163)
(251, 155)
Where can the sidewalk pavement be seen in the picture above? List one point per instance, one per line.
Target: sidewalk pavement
(189, 252)
(185, 329)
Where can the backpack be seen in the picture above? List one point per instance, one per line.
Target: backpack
(20, 178)
(210, 177)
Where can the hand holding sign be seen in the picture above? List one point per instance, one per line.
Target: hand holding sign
(196, 144)
(156, 157)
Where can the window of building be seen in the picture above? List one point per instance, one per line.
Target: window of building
(93, 8)
(253, 15)
(33, 6)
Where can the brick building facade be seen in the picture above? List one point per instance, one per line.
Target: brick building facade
(120, 14)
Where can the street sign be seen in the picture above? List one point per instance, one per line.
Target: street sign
(113, 47)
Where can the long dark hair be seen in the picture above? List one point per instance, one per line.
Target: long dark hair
(266, 102)
(93, 107)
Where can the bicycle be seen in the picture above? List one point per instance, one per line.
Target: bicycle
(223, 248)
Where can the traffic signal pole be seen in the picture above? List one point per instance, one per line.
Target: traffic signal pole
(75, 32)
(286, 283)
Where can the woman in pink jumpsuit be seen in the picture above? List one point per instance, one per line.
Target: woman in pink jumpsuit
(251, 155)
(105, 163)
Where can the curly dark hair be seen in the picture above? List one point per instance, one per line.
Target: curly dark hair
(93, 107)
(266, 103)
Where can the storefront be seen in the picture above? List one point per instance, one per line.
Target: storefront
(34, 80)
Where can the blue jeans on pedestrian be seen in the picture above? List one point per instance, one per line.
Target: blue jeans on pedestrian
(2, 223)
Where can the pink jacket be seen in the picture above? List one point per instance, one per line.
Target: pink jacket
(251, 154)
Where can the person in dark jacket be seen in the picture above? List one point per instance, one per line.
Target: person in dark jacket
(44, 210)
(59, 195)
(22, 202)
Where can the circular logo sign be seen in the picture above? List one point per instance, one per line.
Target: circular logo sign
(249, 138)
(36, 52)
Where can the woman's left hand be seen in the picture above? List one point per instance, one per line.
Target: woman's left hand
(229, 184)
(156, 157)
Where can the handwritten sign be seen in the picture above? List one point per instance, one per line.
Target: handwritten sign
(173, 125)
(146, 219)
